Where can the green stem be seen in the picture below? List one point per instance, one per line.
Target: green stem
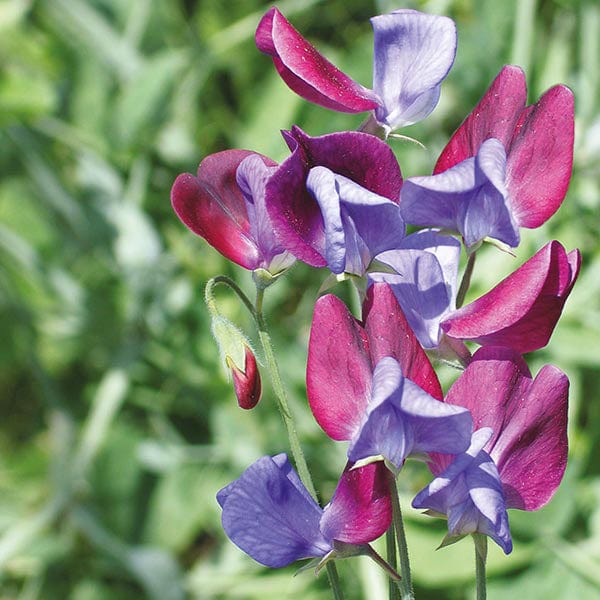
(390, 546)
(224, 280)
(280, 394)
(480, 558)
(405, 584)
(334, 581)
(466, 280)
(286, 415)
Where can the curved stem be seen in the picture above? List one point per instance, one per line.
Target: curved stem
(405, 584)
(480, 558)
(224, 280)
(466, 280)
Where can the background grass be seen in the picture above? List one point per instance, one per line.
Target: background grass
(118, 425)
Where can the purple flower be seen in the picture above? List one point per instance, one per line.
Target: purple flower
(270, 515)
(225, 204)
(507, 166)
(526, 451)
(413, 54)
(372, 383)
(317, 204)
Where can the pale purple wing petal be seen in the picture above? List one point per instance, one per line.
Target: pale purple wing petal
(358, 223)
(361, 509)
(338, 372)
(495, 116)
(421, 290)
(540, 159)
(269, 518)
(413, 54)
(306, 71)
(252, 175)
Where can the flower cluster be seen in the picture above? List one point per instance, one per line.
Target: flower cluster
(497, 439)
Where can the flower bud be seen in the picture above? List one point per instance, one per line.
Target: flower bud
(238, 357)
(246, 383)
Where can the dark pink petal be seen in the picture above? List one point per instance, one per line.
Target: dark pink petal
(212, 206)
(295, 214)
(523, 309)
(528, 418)
(540, 158)
(338, 373)
(495, 116)
(247, 383)
(531, 453)
(390, 335)
(361, 509)
(306, 71)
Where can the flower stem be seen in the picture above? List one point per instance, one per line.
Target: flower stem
(224, 280)
(280, 394)
(405, 584)
(480, 558)
(466, 280)
(390, 545)
(286, 415)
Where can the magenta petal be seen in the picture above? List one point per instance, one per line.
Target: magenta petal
(213, 207)
(295, 214)
(495, 116)
(361, 509)
(541, 158)
(390, 335)
(531, 453)
(306, 71)
(523, 309)
(338, 373)
(528, 417)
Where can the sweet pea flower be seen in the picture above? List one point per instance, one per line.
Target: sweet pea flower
(521, 443)
(334, 201)
(270, 515)
(507, 166)
(372, 384)
(521, 312)
(413, 53)
(225, 205)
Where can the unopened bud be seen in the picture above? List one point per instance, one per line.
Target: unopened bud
(246, 383)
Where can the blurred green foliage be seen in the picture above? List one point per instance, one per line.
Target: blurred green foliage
(118, 424)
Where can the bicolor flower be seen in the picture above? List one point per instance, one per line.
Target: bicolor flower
(521, 312)
(521, 442)
(270, 515)
(225, 204)
(507, 166)
(334, 201)
(413, 53)
(372, 384)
